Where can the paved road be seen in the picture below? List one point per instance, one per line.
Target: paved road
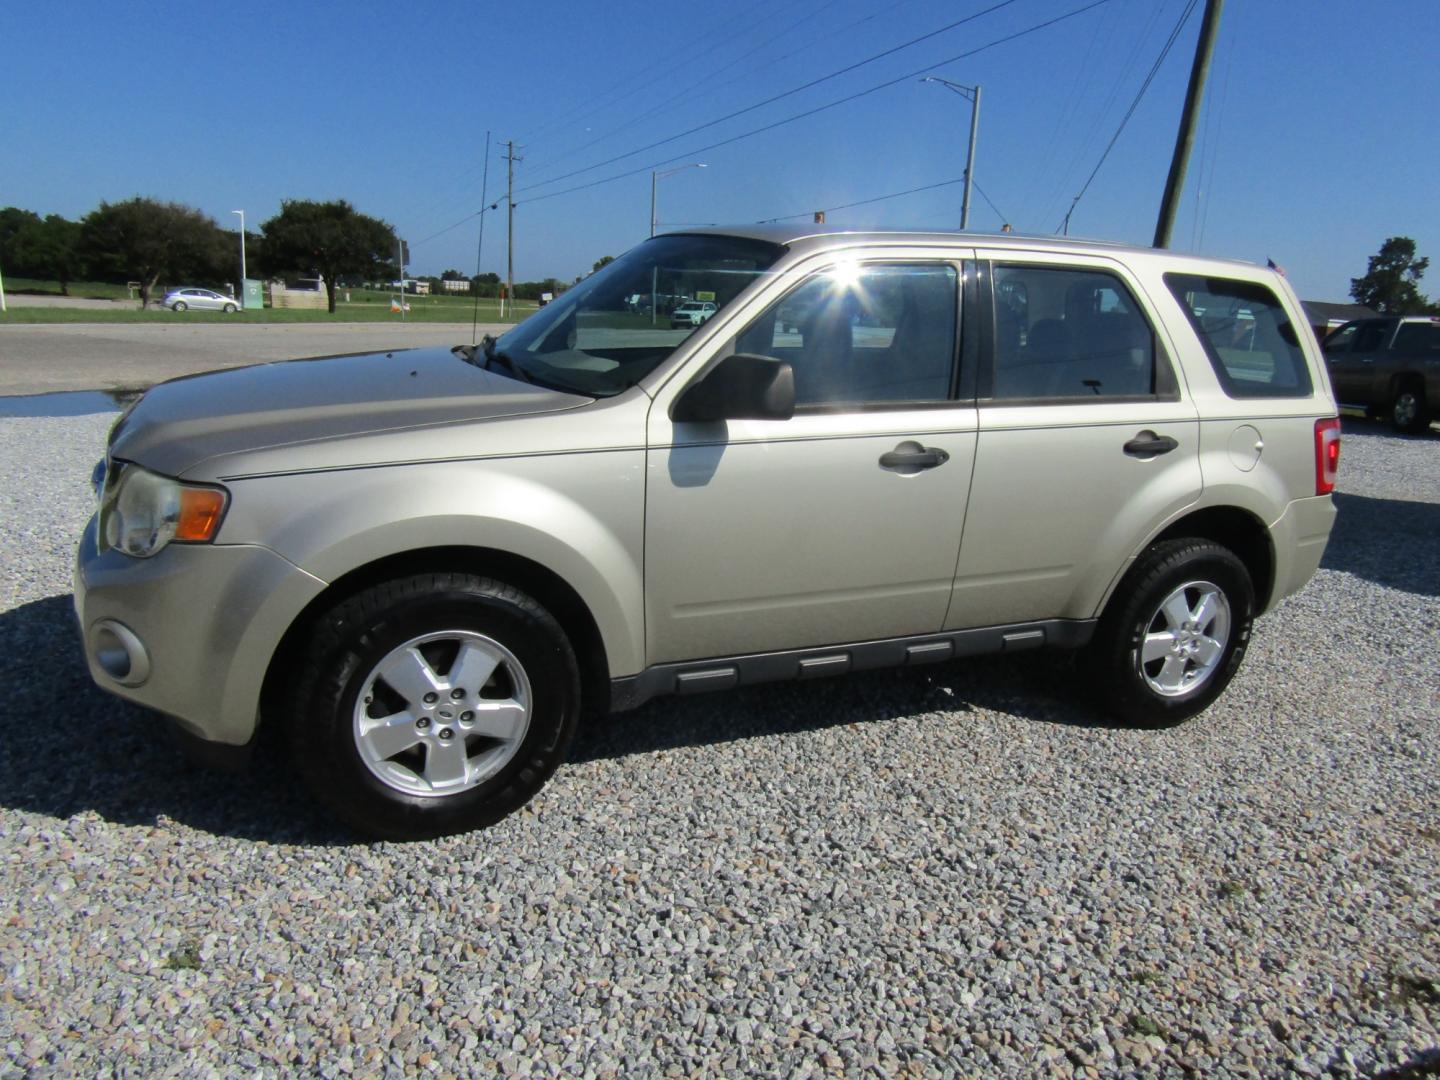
(42, 358)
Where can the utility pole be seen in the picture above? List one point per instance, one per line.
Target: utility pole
(971, 94)
(510, 160)
(400, 260)
(970, 160)
(1185, 138)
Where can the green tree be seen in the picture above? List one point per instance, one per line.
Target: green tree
(1391, 284)
(144, 239)
(330, 238)
(604, 260)
(51, 250)
(13, 222)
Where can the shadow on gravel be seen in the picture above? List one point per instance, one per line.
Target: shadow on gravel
(1036, 686)
(67, 747)
(1388, 541)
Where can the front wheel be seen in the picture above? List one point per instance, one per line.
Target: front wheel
(1174, 633)
(433, 704)
(229, 309)
(1407, 411)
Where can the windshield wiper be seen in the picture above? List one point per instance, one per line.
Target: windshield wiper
(492, 357)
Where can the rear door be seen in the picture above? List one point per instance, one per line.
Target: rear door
(1085, 440)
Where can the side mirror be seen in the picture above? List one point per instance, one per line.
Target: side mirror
(740, 387)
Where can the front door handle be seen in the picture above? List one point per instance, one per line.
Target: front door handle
(1148, 444)
(911, 455)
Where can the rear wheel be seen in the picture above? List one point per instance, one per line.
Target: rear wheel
(1174, 634)
(180, 305)
(1407, 410)
(433, 704)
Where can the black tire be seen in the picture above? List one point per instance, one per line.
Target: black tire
(180, 305)
(1407, 409)
(229, 309)
(1114, 657)
(344, 650)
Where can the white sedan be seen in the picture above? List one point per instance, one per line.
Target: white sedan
(200, 300)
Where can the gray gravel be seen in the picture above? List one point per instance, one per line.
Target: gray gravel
(954, 872)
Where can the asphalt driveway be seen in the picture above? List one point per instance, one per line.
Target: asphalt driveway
(43, 358)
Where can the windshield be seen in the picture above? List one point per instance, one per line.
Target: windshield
(611, 330)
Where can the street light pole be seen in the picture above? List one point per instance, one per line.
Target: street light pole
(971, 94)
(242, 255)
(655, 178)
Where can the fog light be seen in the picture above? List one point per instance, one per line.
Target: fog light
(119, 653)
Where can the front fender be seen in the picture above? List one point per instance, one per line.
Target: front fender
(579, 515)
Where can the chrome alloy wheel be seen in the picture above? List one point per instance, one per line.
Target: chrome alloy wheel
(1185, 639)
(442, 713)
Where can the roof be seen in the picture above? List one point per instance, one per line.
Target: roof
(804, 233)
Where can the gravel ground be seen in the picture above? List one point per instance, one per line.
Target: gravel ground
(953, 872)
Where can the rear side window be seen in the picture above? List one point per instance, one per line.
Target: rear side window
(1069, 333)
(1250, 340)
(1418, 338)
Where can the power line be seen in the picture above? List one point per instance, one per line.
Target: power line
(703, 81)
(778, 97)
(1154, 69)
(664, 66)
(990, 203)
(830, 105)
(863, 202)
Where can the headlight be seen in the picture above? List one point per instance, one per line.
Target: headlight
(141, 512)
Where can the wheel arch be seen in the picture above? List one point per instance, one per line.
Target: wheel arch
(552, 591)
(1238, 530)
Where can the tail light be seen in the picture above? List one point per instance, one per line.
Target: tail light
(1327, 454)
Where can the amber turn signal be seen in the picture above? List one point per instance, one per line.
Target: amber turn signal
(200, 513)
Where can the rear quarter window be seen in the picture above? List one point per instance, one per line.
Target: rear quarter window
(1251, 342)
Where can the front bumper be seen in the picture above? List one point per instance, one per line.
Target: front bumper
(190, 632)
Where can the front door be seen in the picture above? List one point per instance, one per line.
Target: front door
(841, 524)
(1356, 376)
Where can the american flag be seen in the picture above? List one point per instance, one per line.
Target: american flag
(1273, 265)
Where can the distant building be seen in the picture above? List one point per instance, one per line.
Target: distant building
(455, 286)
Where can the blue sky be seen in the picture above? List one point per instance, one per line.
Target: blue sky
(1321, 134)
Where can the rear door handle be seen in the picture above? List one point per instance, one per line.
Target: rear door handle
(1148, 444)
(911, 455)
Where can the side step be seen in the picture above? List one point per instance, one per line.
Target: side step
(700, 676)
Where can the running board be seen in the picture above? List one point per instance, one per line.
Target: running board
(699, 676)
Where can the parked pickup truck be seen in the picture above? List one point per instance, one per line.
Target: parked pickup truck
(1390, 367)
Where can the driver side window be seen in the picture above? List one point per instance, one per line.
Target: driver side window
(860, 335)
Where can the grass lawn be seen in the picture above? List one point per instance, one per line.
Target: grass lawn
(364, 305)
(83, 290)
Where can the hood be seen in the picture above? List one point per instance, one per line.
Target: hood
(180, 423)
